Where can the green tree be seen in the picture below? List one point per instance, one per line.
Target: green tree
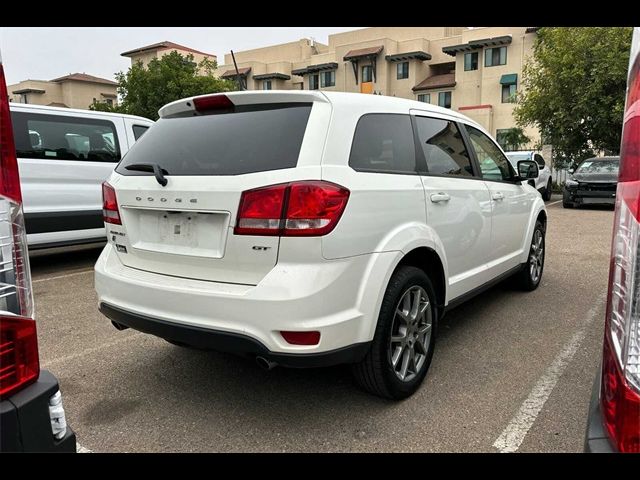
(514, 138)
(105, 107)
(574, 88)
(144, 90)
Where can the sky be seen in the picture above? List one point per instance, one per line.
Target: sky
(43, 53)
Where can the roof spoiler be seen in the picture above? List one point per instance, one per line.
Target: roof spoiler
(229, 99)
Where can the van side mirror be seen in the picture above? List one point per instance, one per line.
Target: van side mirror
(528, 169)
(571, 170)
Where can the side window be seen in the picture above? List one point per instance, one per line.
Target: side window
(383, 143)
(538, 158)
(58, 137)
(138, 131)
(443, 147)
(493, 164)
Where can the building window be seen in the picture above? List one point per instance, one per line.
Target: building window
(444, 99)
(470, 61)
(109, 102)
(266, 84)
(509, 93)
(313, 82)
(495, 56)
(367, 73)
(402, 70)
(424, 97)
(328, 79)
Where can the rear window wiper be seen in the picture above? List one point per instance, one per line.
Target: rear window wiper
(156, 169)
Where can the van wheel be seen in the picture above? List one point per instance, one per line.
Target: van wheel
(546, 196)
(531, 272)
(403, 344)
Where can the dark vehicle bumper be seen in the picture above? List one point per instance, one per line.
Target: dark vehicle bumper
(25, 420)
(596, 439)
(578, 196)
(231, 342)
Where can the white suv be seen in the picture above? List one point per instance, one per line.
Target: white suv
(543, 181)
(313, 228)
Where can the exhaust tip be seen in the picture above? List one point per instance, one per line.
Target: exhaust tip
(119, 326)
(265, 364)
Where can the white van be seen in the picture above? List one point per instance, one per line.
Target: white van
(64, 155)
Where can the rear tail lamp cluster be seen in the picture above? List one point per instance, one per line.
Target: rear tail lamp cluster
(19, 365)
(620, 392)
(110, 212)
(296, 209)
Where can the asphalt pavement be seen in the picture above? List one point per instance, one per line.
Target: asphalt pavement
(512, 371)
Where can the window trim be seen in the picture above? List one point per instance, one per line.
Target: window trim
(513, 181)
(486, 50)
(415, 146)
(22, 118)
(464, 62)
(398, 70)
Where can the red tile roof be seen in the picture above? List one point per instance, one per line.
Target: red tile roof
(232, 73)
(83, 77)
(164, 46)
(363, 52)
(437, 81)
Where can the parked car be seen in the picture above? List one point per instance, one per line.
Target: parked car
(313, 228)
(614, 414)
(64, 155)
(543, 182)
(592, 182)
(32, 416)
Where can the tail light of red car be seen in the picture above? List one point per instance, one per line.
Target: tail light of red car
(19, 364)
(620, 388)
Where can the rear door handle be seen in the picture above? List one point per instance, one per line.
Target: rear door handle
(440, 197)
(498, 196)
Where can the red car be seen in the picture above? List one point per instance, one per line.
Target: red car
(614, 415)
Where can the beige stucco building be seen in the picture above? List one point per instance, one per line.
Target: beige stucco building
(476, 71)
(157, 50)
(76, 90)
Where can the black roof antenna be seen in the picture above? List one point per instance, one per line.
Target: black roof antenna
(238, 78)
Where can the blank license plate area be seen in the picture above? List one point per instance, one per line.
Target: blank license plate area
(201, 234)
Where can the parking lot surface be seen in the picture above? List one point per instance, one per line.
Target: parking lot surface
(512, 371)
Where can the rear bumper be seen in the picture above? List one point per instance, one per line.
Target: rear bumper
(26, 423)
(231, 342)
(337, 298)
(596, 439)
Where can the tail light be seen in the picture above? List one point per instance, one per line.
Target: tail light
(19, 365)
(620, 390)
(110, 212)
(212, 102)
(297, 209)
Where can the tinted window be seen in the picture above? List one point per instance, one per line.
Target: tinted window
(444, 99)
(383, 143)
(443, 147)
(539, 159)
(493, 164)
(138, 131)
(58, 137)
(249, 139)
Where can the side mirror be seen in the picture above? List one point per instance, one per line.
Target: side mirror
(571, 170)
(528, 169)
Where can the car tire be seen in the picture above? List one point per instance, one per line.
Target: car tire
(402, 337)
(546, 196)
(531, 273)
(567, 204)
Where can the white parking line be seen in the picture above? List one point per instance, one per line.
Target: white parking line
(553, 203)
(513, 435)
(81, 449)
(89, 351)
(38, 280)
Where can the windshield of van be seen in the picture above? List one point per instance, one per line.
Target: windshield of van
(250, 139)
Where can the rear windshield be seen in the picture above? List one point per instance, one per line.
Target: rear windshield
(250, 139)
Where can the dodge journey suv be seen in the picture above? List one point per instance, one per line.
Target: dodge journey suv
(311, 228)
